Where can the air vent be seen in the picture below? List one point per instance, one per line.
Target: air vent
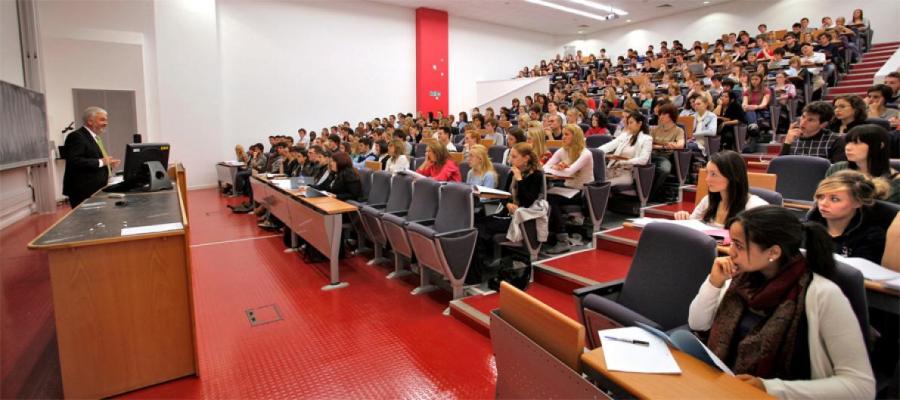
(667, 5)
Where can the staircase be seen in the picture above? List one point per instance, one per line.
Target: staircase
(862, 74)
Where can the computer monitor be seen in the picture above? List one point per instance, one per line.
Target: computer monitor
(145, 168)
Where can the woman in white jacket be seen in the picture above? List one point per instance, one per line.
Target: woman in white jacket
(397, 160)
(632, 147)
(775, 317)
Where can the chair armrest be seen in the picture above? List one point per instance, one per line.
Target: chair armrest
(420, 222)
(454, 233)
(616, 312)
(397, 213)
(603, 289)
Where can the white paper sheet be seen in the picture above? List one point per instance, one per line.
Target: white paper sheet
(140, 230)
(563, 191)
(487, 190)
(869, 269)
(626, 357)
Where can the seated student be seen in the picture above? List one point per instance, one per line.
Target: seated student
(729, 191)
(397, 160)
(574, 163)
(868, 151)
(784, 90)
(472, 138)
(631, 148)
(598, 125)
(299, 160)
(756, 100)
(315, 168)
(514, 136)
(325, 174)
(344, 183)
(730, 109)
(792, 44)
(380, 149)
(774, 316)
(845, 205)
(365, 153)
(704, 122)
(276, 166)
(482, 169)
(438, 165)
(849, 112)
(811, 59)
(444, 139)
(877, 97)
(667, 137)
(525, 183)
(893, 81)
(810, 137)
(537, 138)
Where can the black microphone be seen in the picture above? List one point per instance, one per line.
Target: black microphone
(69, 128)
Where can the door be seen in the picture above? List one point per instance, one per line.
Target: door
(122, 110)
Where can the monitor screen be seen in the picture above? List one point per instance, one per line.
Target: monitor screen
(136, 154)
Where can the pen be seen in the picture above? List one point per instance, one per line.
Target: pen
(632, 341)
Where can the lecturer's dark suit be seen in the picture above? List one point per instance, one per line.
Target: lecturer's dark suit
(84, 175)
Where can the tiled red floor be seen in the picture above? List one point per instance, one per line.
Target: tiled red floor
(625, 233)
(675, 207)
(369, 340)
(598, 265)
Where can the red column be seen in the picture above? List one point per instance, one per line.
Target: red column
(432, 61)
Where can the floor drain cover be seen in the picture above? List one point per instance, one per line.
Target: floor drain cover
(263, 315)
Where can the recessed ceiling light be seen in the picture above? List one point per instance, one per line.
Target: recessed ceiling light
(567, 9)
(627, 20)
(705, 2)
(580, 32)
(598, 6)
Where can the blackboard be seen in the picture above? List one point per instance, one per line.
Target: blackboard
(23, 127)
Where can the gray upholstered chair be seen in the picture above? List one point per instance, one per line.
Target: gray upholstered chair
(464, 169)
(851, 282)
(772, 197)
(496, 153)
(365, 178)
(669, 265)
(419, 149)
(503, 172)
(422, 208)
(447, 246)
(398, 200)
(596, 199)
(798, 176)
(379, 191)
(597, 140)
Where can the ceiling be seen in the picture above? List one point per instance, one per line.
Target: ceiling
(523, 15)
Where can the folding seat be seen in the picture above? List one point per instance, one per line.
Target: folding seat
(365, 178)
(595, 199)
(770, 196)
(597, 140)
(419, 149)
(464, 170)
(379, 191)
(447, 245)
(503, 172)
(496, 153)
(422, 208)
(400, 196)
(669, 265)
(798, 176)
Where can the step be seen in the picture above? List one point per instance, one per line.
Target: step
(867, 63)
(858, 75)
(475, 310)
(880, 52)
(689, 193)
(856, 80)
(848, 89)
(886, 45)
(865, 68)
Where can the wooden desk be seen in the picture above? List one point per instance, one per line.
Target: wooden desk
(697, 381)
(317, 220)
(122, 303)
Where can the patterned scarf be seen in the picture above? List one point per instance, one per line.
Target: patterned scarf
(768, 348)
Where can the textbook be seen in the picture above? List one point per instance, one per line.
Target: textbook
(412, 173)
(487, 190)
(721, 235)
(870, 270)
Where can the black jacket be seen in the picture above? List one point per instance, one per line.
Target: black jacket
(528, 190)
(866, 234)
(83, 175)
(344, 184)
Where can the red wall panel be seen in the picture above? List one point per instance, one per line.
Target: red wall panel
(432, 61)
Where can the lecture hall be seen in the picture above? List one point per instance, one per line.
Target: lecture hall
(430, 199)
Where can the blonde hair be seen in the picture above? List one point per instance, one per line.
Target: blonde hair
(399, 148)
(482, 152)
(630, 105)
(861, 188)
(576, 146)
(538, 140)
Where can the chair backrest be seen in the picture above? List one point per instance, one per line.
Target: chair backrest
(599, 164)
(597, 140)
(487, 143)
(851, 282)
(381, 187)
(464, 168)
(770, 196)
(374, 165)
(417, 162)
(424, 204)
(457, 156)
(687, 122)
(754, 179)
(713, 144)
(670, 262)
(401, 193)
(798, 176)
(597, 197)
(419, 150)
(558, 334)
(365, 178)
(496, 153)
(456, 208)
(503, 172)
(880, 122)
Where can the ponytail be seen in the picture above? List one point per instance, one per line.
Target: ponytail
(819, 249)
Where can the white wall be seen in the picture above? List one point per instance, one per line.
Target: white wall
(481, 51)
(290, 65)
(500, 93)
(709, 23)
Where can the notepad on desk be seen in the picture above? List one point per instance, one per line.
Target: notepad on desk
(870, 270)
(491, 191)
(620, 355)
(563, 191)
(721, 235)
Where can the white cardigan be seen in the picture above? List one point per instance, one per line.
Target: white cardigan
(839, 363)
(402, 164)
(639, 154)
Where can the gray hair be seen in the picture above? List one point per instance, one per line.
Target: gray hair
(90, 112)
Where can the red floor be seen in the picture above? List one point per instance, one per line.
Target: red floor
(369, 340)
(560, 301)
(597, 265)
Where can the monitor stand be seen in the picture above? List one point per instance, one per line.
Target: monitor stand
(159, 179)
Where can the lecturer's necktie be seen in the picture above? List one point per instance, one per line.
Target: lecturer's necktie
(103, 152)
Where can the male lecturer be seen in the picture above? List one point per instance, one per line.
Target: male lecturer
(88, 164)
